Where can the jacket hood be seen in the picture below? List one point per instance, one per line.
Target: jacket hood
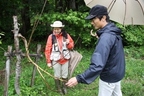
(109, 28)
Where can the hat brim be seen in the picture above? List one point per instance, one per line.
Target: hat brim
(57, 25)
(89, 17)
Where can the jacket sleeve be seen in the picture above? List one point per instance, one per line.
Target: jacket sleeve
(48, 49)
(92, 72)
(98, 61)
(71, 42)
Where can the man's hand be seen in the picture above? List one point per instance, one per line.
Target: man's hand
(72, 82)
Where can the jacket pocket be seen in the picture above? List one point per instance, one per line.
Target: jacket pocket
(66, 54)
(55, 56)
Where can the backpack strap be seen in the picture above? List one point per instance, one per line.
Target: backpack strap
(53, 39)
(64, 34)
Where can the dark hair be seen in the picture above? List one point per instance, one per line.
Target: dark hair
(64, 33)
(101, 16)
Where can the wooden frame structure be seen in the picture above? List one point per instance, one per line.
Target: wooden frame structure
(5, 74)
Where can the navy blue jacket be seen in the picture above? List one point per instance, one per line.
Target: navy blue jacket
(108, 59)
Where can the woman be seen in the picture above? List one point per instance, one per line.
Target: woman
(57, 54)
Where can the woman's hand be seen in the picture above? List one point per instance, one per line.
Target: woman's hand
(49, 65)
(67, 41)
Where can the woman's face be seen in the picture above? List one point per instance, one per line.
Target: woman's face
(57, 30)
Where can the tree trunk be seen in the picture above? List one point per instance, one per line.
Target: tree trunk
(72, 4)
(18, 56)
(59, 5)
(25, 18)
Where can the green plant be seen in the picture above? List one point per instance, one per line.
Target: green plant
(132, 84)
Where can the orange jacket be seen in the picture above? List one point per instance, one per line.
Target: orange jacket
(48, 48)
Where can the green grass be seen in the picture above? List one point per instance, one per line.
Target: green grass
(132, 84)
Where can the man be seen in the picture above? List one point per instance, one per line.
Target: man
(108, 60)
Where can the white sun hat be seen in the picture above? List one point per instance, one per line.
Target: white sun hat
(57, 24)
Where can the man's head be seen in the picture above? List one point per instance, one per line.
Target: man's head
(98, 16)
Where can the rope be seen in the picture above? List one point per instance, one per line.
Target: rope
(38, 67)
(29, 58)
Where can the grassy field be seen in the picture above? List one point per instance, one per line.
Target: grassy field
(132, 84)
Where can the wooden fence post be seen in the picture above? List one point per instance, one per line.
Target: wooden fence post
(7, 70)
(34, 67)
(17, 54)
